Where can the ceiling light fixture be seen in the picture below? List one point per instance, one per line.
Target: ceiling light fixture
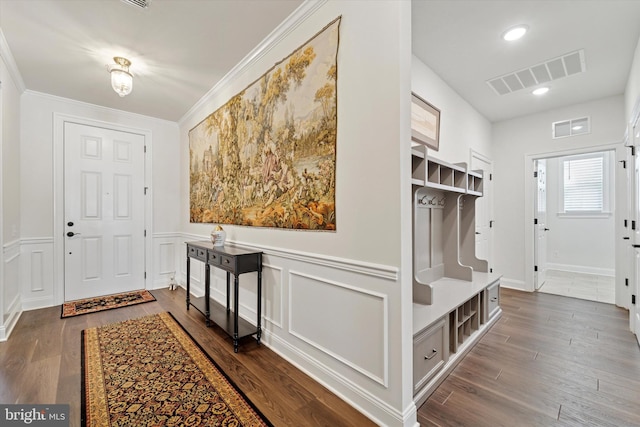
(121, 78)
(514, 33)
(541, 90)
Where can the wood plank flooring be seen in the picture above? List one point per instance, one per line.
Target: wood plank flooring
(40, 364)
(549, 361)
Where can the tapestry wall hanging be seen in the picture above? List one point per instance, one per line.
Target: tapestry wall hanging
(267, 158)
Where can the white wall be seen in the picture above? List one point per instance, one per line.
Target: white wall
(40, 283)
(632, 91)
(462, 128)
(10, 304)
(515, 141)
(347, 285)
(585, 245)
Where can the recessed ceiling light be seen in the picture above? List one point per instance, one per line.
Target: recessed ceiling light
(514, 33)
(541, 90)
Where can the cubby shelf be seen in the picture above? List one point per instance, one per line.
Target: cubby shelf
(433, 173)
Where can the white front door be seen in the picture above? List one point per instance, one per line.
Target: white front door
(483, 209)
(104, 211)
(540, 225)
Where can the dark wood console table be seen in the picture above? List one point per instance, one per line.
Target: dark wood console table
(233, 261)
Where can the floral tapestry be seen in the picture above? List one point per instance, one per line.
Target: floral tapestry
(267, 157)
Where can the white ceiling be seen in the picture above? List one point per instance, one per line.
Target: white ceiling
(181, 48)
(460, 40)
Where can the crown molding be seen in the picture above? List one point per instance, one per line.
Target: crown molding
(10, 62)
(280, 32)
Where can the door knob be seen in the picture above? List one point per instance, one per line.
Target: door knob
(546, 229)
(70, 224)
(71, 234)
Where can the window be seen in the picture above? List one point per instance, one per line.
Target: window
(585, 183)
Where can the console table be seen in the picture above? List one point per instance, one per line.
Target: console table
(233, 261)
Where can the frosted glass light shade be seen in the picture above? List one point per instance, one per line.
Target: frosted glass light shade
(121, 82)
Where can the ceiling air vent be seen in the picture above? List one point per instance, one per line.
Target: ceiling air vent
(553, 69)
(142, 4)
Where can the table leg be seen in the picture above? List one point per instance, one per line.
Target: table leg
(235, 313)
(228, 291)
(259, 304)
(188, 280)
(207, 292)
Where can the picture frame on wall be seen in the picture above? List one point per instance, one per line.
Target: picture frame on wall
(425, 123)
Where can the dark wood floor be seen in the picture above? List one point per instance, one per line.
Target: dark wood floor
(40, 364)
(550, 360)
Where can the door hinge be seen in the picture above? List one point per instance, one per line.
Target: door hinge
(633, 299)
(626, 223)
(145, 190)
(145, 148)
(626, 282)
(491, 270)
(535, 174)
(491, 223)
(624, 164)
(633, 150)
(145, 274)
(535, 221)
(490, 177)
(145, 233)
(535, 268)
(633, 224)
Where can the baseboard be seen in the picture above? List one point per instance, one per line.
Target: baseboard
(583, 269)
(302, 361)
(14, 313)
(36, 303)
(512, 284)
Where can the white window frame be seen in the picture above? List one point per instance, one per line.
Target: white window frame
(607, 186)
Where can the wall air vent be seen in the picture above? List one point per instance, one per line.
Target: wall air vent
(571, 127)
(553, 69)
(142, 4)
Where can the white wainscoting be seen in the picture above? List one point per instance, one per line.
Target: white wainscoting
(11, 301)
(330, 316)
(166, 255)
(37, 281)
(326, 315)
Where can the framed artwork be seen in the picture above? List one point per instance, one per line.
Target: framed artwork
(267, 157)
(425, 123)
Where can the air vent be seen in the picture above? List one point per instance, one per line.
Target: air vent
(142, 4)
(571, 127)
(553, 69)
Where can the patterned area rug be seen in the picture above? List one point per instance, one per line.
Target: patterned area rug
(91, 305)
(150, 372)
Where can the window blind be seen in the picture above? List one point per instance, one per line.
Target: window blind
(584, 184)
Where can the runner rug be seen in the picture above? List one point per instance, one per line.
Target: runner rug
(150, 372)
(91, 305)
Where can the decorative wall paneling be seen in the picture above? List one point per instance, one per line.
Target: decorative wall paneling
(10, 303)
(37, 285)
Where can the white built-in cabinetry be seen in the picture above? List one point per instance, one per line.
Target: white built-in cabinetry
(455, 297)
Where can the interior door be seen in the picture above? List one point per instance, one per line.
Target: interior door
(635, 309)
(483, 210)
(104, 211)
(540, 223)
